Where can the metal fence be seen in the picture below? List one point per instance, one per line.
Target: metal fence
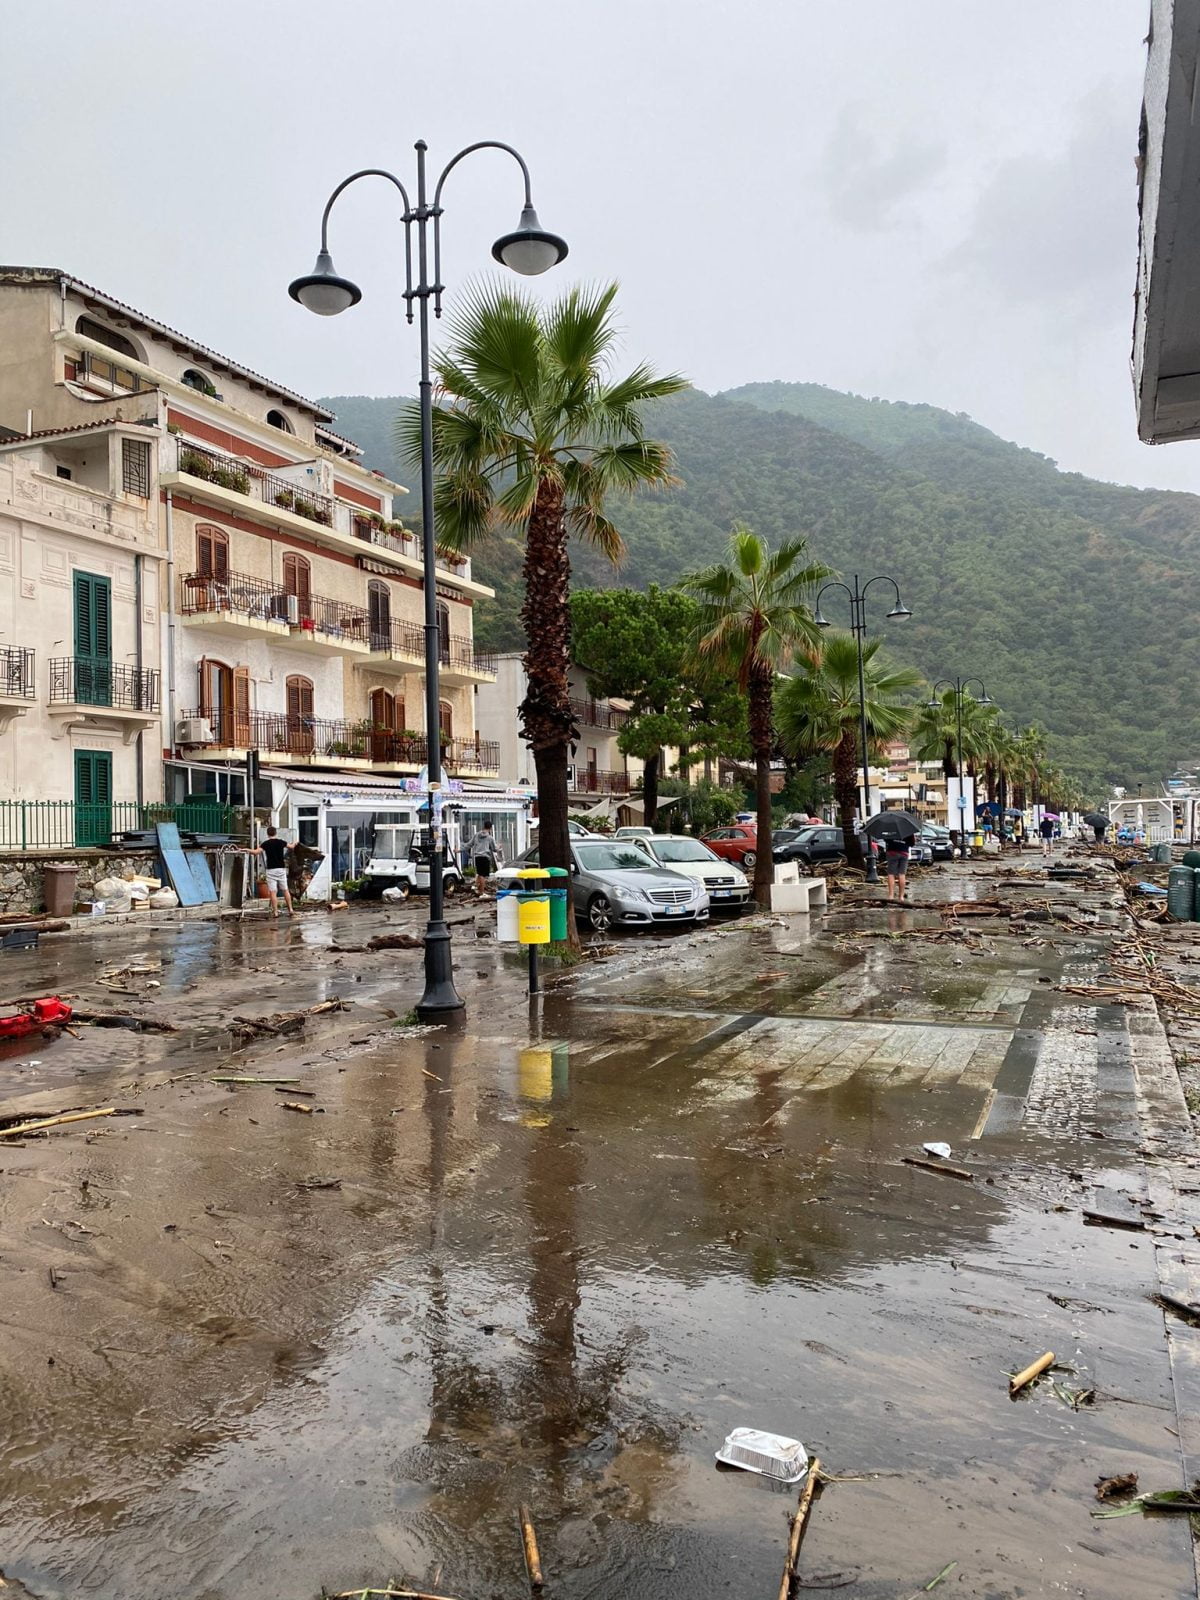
(80, 680)
(66, 824)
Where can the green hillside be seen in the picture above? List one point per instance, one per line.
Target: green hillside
(1072, 599)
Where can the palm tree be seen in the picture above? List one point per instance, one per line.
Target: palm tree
(818, 710)
(754, 616)
(935, 732)
(531, 431)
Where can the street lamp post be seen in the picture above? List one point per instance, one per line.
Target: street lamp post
(858, 626)
(529, 250)
(960, 687)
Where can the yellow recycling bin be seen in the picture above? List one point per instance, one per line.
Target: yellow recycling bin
(533, 911)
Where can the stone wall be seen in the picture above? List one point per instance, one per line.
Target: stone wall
(21, 875)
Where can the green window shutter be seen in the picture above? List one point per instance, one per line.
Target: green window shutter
(93, 797)
(93, 617)
(83, 614)
(102, 607)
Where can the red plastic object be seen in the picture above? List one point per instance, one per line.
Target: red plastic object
(50, 1012)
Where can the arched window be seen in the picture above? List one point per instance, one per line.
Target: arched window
(212, 552)
(200, 381)
(297, 581)
(89, 328)
(277, 419)
(299, 716)
(379, 610)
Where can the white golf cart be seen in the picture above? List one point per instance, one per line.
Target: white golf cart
(400, 860)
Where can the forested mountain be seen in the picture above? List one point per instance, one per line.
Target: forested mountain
(1074, 600)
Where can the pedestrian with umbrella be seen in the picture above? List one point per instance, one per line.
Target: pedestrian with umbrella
(1046, 829)
(1098, 822)
(895, 830)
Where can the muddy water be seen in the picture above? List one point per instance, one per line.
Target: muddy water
(570, 1250)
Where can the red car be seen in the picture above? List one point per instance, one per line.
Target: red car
(738, 842)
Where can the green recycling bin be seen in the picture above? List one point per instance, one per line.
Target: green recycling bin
(1181, 893)
(1196, 905)
(558, 905)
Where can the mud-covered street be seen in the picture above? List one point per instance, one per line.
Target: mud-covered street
(555, 1256)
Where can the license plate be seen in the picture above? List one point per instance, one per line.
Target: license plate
(676, 911)
(721, 894)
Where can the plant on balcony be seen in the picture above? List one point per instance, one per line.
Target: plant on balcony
(535, 433)
(196, 465)
(285, 499)
(174, 428)
(235, 478)
(340, 747)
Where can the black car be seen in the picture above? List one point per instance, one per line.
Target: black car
(938, 840)
(808, 847)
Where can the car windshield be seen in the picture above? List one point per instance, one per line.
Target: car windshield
(682, 850)
(619, 856)
(393, 843)
(788, 835)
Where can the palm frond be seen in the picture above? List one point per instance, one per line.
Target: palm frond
(578, 330)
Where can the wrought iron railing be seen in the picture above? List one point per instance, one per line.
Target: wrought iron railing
(458, 651)
(598, 714)
(239, 594)
(592, 780)
(84, 681)
(399, 638)
(63, 824)
(471, 755)
(247, 477)
(18, 678)
(333, 740)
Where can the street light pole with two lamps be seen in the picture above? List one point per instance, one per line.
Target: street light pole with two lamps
(960, 687)
(529, 250)
(858, 626)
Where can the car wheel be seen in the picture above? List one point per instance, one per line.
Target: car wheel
(749, 858)
(450, 885)
(599, 912)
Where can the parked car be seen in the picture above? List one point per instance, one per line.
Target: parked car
(938, 840)
(809, 847)
(920, 852)
(616, 883)
(726, 884)
(738, 842)
(634, 833)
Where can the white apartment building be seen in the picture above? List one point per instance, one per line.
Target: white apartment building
(291, 600)
(82, 562)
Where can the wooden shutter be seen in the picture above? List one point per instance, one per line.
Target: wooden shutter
(93, 797)
(206, 697)
(212, 553)
(443, 622)
(383, 713)
(379, 610)
(93, 639)
(446, 720)
(83, 614)
(297, 580)
(241, 708)
(299, 716)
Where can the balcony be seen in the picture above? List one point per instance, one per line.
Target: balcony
(224, 479)
(598, 714)
(236, 603)
(399, 647)
(85, 692)
(329, 742)
(18, 683)
(592, 780)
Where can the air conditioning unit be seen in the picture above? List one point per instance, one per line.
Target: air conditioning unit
(570, 777)
(293, 610)
(193, 730)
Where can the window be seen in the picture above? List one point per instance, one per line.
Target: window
(379, 609)
(63, 472)
(135, 467)
(299, 716)
(446, 720)
(307, 823)
(225, 702)
(88, 328)
(443, 622)
(387, 723)
(93, 797)
(93, 639)
(297, 581)
(212, 551)
(278, 420)
(200, 381)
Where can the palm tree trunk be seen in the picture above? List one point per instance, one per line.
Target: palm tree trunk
(845, 788)
(761, 741)
(546, 719)
(650, 788)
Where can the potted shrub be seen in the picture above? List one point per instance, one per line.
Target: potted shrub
(285, 499)
(196, 465)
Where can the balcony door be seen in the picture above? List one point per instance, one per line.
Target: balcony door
(379, 610)
(387, 724)
(300, 731)
(225, 702)
(297, 582)
(93, 640)
(443, 622)
(93, 797)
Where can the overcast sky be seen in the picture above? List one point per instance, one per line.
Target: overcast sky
(920, 199)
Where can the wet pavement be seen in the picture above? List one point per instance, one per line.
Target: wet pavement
(573, 1245)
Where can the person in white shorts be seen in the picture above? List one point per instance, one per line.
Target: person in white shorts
(274, 852)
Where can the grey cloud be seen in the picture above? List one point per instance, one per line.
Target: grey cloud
(872, 176)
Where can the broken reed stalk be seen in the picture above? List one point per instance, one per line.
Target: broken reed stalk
(1023, 1379)
(533, 1560)
(399, 1594)
(939, 1166)
(54, 1122)
(799, 1524)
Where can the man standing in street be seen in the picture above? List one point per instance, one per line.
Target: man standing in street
(274, 852)
(1046, 829)
(484, 854)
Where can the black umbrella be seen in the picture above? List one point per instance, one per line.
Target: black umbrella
(1095, 819)
(893, 825)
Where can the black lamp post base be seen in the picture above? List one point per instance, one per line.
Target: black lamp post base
(440, 997)
(872, 870)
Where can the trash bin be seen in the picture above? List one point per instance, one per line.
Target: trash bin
(1161, 853)
(508, 903)
(558, 905)
(533, 910)
(1181, 893)
(58, 888)
(1196, 904)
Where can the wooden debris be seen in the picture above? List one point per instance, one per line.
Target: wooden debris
(296, 1105)
(1116, 1487)
(309, 1185)
(799, 1524)
(1022, 1380)
(533, 1560)
(56, 1122)
(308, 1093)
(235, 1077)
(397, 1594)
(939, 1166)
(395, 941)
(1101, 1219)
(1181, 1308)
(249, 1029)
